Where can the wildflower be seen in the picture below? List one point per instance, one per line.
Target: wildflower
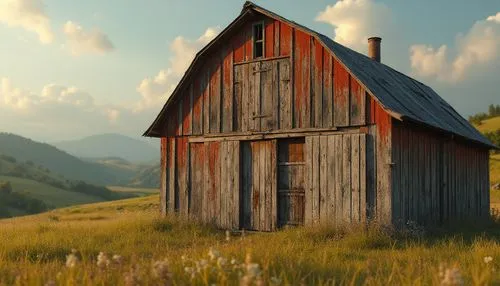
(71, 259)
(213, 254)
(253, 269)
(132, 276)
(50, 283)
(234, 261)
(488, 259)
(451, 277)
(103, 260)
(161, 270)
(221, 262)
(275, 280)
(117, 259)
(228, 235)
(202, 264)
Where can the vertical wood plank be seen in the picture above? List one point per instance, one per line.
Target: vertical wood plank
(308, 154)
(285, 95)
(269, 38)
(302, 79)
(276, 38)
(215, 97)
(341, 95)
(254, 97)
(273, 162)
(172, 178)
(236, 184)
(346, 179)
(327, 104)
(186, 111)
(355, 170)
(285, 34)
(317, 83)
(245, 109)
(331, 179)
(324, 192)
(227, 91)
(339, 169)
(362, 177)
(256, 150)
(223, 188)
(206, 100)
(357, 103)
(198, 107)
(163, 176)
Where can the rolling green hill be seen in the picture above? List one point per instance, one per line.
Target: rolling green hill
(489, 125)
(60, 162)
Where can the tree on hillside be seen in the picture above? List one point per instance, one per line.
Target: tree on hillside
(5, 187)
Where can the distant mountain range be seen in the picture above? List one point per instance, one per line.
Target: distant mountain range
(99, 171)
(111, 145)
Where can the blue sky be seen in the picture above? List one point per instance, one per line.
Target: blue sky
(75, 68)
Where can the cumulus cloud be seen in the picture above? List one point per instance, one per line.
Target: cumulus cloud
(55, 103)
(81, 41)
(355, 21)
(156, 90)
(479, 46)
(28, 14)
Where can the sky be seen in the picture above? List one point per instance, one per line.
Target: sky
(70, 69)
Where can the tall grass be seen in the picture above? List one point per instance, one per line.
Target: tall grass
(34, 251)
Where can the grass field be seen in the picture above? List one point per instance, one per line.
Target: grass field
(132, 190)
(50, 195)
(34, 251)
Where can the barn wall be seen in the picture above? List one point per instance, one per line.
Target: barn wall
(311, 89)
(336, 185)
(437, 178)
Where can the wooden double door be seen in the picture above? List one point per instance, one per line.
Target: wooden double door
(273, 187)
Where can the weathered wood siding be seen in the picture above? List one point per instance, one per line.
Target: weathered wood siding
(296, 84)
(336, 185)
(436, 178)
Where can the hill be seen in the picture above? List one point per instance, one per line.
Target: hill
(60, 162)
(126, 243)
(489, 125)
(110, 145)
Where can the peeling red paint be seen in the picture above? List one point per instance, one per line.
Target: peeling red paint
(302, 81)
(285, 39)
(197, 107)
(269, 39)
(186, 112)
(341, 94)
(356, 102)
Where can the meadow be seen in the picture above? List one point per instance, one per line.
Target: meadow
(63, 247)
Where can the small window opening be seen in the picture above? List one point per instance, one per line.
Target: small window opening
(258, 40)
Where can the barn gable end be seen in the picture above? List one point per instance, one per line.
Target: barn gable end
(293, 136)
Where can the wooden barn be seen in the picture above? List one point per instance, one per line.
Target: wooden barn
(274, 124)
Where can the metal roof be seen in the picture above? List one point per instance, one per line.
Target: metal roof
(403, 97)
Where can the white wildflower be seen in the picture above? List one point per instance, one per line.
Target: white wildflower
(71, 260)
(452, 277)
(228, 235)
(213, 254)
(253, 269)
(488, 259)
(160, 269)
(117, 259)
(132, 277)
(275, 280)
(234, 261)
(221, 262)
(201, 265)
(103, 260)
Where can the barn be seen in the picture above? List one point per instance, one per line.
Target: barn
(274, 124)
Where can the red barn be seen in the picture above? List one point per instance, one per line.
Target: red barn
(274, 124)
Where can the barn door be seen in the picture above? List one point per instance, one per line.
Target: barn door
(291, 166)
(258, 189)
(268, 93)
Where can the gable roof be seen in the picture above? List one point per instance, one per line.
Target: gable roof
(403, 97)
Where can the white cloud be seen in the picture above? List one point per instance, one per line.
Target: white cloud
(156, 90)
(355, 21)
(479, 47)
(28, 14)
(81, 41)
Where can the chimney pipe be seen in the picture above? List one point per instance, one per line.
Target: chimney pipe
(374, 48)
